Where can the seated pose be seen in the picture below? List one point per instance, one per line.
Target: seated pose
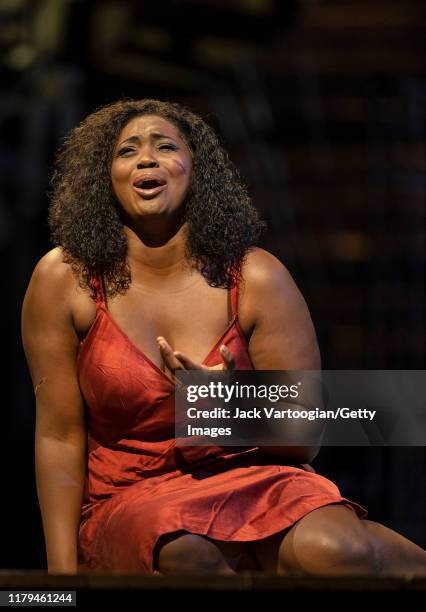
(155, 269)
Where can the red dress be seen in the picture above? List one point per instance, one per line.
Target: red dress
(140, 485)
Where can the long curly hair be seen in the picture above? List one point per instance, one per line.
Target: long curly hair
(84, 215)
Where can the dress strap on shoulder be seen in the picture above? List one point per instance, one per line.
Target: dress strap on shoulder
(234, 295)
(234, 301)
(97, 283)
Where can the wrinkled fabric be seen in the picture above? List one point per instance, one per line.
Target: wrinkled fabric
(139, 485)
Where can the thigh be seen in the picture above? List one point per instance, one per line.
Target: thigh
(336, 517)
(266, 550)
(238, 556)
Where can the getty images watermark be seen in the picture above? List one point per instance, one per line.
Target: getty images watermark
(329, 407)
(273, 393)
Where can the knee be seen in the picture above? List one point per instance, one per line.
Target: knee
(329, 552)
(191, 554)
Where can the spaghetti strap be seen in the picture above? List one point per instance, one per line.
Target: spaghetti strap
(234, 301)
(97, 283)
(234, 297)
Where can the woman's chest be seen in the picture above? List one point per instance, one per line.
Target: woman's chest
(126, 386)
(191, 322)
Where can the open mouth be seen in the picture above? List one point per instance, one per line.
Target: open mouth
(149, 183)
(149, 186)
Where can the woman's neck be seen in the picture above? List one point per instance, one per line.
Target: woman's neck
(164, 259)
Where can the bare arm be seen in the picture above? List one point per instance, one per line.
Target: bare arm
(51, 344)
(283, 336)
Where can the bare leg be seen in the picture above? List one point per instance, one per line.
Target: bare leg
(397, 553)
(187, 553)
(332, 540)
(328, 541)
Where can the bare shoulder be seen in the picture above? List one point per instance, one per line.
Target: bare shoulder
(263, 273)
(283, 334)
(53, 289)
(266, 286)
(53, 272)
(53, 277)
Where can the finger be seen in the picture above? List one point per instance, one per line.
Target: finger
(187, 362)
(172, 362)
(228, 357)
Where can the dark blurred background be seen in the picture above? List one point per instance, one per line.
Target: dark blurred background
(321, 105)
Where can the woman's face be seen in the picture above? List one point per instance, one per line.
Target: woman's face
(151, 167)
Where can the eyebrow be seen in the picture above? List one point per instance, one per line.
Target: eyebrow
(153, 135)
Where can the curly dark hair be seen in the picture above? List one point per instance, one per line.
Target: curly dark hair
(84, 216)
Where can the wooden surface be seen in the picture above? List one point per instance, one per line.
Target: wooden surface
(125, 592)
(247, 581)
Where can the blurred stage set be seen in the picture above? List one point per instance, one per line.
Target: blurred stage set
(321, 104)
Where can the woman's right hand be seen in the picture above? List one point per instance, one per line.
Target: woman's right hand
(176, 360)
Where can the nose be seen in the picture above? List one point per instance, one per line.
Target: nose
(147, 164)
(147, 161)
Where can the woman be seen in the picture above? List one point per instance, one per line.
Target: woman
(155, 269)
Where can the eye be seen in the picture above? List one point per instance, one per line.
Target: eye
(124, 150)
(168, 146)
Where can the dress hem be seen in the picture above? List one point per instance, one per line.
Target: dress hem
(214, 534)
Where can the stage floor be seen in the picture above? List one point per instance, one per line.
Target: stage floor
(249, 587)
